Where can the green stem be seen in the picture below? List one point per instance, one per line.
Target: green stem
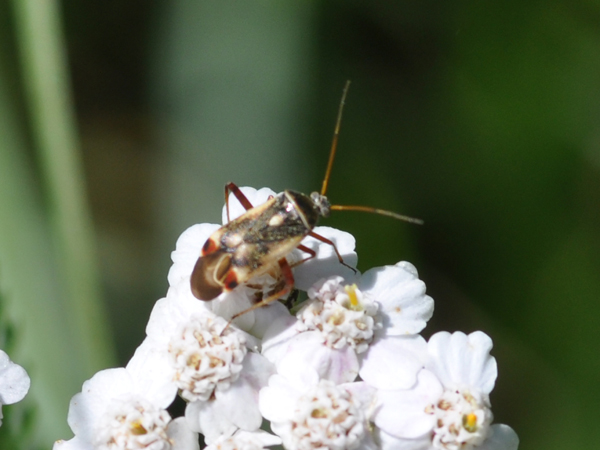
(44, 69)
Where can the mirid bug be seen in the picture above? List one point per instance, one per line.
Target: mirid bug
(258, 241)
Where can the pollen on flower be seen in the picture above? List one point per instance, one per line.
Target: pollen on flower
(463, 420)
(355, 304)
(329, 417)
(340, 313)
(470, 422)
(205, 357)
(131, 424)
(137, 428)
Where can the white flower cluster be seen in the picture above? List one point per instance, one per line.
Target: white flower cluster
(14, 382)
(347, 371)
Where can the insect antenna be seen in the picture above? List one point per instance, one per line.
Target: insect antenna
(336, 135)
(382, 212)
(369, 209)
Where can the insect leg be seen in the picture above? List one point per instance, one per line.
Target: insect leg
(232, 187)
(327, 241)
(288, 278)
(305, 249)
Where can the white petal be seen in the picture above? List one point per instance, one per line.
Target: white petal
(171, 312)
(185, 302)
(182, 437)
(404, 305)
(266, 316)
(152, 372)
(96, 393)
(364, 393)
(503, 438)
(266, 439)
(72, 444)
(239, 404)
(389, 442)
(393, 362)
(188, 249)
(209, 419)
(326, 263)
(401, 412)
(159, 326)
(278, 337)
(255, 197)
(230, 303)
(307, 350)
(257, 370)
(458, 359)
(14, 381)
(276, 401)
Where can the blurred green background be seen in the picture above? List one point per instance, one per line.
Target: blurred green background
(121, 121)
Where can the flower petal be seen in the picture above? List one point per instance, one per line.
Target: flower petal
(187, 250)
(458, 359)
(209, 419)
(307, 350)
(72, 444)
(14, 381)
(388, 442)
(402, 412)
(404, 306)
(257, 370)
(393, 362)
(266, 316)
(91, 403)
(239, 403)
(277, 338)
(152, 372)
(181, 436)
(326, 263)
(503, 438)
(277, 399)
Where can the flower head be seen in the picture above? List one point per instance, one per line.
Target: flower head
(116, 410)
(209, 363)
(206, 356)
(449, 407)
(340, 313)
(346, 329)
(309, 413)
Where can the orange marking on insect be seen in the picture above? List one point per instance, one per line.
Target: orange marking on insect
(210, 246)
(230, 281)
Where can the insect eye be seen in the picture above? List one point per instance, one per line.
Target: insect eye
(209, 247)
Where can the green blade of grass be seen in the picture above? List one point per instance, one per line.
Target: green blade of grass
(44, 69)
(32, 295)
(48, 271)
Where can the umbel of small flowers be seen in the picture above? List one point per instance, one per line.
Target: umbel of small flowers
(349, 370)
(14, 382)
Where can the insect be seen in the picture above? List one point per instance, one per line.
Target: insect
(258, 241)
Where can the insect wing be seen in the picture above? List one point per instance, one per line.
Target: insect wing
(262, 236)
(210, 274)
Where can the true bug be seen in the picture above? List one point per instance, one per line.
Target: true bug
(258, 241)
